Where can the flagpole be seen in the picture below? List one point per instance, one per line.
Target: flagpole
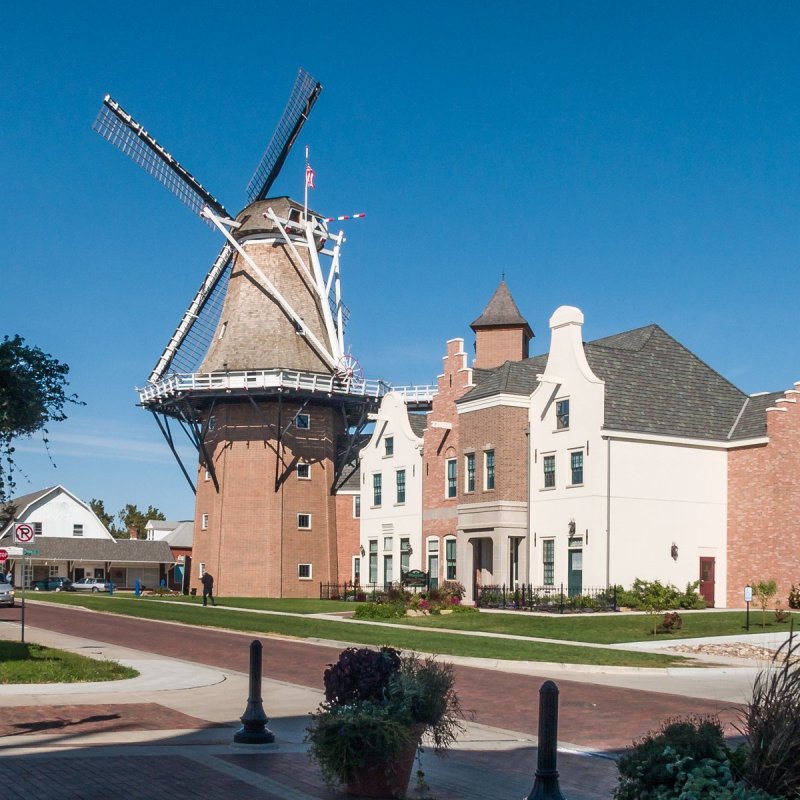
(305, 198)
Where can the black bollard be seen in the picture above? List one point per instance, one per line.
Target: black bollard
(254, 728)
(545, 784)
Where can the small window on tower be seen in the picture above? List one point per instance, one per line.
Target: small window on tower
(304, 472)
(304, 572)
(212, 423)
(302, 421)
(222, 329)
(204, 522)
(304, 522)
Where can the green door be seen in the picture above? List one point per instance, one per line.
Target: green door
(575, 573)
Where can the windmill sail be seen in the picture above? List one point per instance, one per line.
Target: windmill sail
(304, 94)
(119, 128)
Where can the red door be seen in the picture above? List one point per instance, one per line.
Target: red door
(707, 580)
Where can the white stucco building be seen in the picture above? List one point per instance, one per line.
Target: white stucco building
(391, 494)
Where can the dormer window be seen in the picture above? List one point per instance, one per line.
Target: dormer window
(562, 415)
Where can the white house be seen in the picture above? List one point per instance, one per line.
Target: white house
(391, 494)
(71, 542)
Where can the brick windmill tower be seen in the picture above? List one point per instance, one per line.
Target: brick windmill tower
(257, 376)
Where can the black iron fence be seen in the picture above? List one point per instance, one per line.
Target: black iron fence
(526, 597)
(357, 592)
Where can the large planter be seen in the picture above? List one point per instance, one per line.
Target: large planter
(383, 780)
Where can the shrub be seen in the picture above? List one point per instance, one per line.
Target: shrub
(691, 597)
(794, 597)
(649, 770)
(771, 724)
(672, 622)
(764, 591)
(462, 609)
(380, 611)
(360, 674)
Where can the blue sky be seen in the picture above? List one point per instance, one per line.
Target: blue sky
(638, 160)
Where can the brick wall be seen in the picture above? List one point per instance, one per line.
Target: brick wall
(347, 535)
(252, 545)
(439, 515)
(764, 506)
(502, 429)
(495, 346)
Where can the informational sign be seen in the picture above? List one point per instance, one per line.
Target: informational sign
(415, 577)
(748, 594)
(23, 533)
(3, 555)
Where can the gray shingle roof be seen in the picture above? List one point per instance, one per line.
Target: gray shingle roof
(418, 423)
(501, 311)
(117, 551)
(182, 535)
(350, 471)
(653, 385)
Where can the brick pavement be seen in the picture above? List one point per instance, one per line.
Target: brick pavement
(497, 761)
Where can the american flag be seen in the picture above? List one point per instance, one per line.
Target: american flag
(310, 177)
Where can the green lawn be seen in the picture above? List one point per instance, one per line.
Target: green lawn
(287, 605)
(600, 629)
(399, 636)
(30, 663)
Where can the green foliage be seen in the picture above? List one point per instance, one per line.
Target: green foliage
(131, 517)
(771, 724)
(764, 591)
(684, 755)
(794, 597)
(379, 611)
(645, 595)
(405, 698)
(99, 508)
(32, 395)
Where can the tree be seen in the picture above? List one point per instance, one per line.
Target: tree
(99, 508)
(764, 591)
(32, 395)
(132, 517)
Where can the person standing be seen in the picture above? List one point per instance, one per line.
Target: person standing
(208, 588)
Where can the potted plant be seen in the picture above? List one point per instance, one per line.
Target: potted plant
(378, 705)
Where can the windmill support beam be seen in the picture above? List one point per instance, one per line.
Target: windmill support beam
(167, 434)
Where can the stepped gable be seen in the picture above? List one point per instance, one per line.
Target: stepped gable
(653, 385)
(253, 331)
(501, 311)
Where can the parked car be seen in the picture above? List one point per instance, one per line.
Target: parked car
(6, 592)
(54, 585)
(90, 585)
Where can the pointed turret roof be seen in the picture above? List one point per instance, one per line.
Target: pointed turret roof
(501, 312)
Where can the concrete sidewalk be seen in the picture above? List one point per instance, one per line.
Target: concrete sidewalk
(169, 732)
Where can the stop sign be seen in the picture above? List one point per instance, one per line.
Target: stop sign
(3, 555)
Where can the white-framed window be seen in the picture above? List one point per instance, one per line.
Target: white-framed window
(576, 467)
(387, 543)
(302, 421)
(469, 472)
(77, 529)
(201, 570)
(52, 571)
(388, 570)
(549, 471)
(562, 414)
(388, 446)
(208, 474)
(373, 560)
(37, 528)
(357, 569)
(405, 555)
(451, 489)
(222, 329)
(548, 561)
(304, 521)
(212, 423)
(488, 470)
(400, 481)
(204, 522)
(377, 488)
(304, 572)
(450, 559)
(357, 507)
(304, 471)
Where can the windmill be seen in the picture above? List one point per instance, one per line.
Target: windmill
(256, 373)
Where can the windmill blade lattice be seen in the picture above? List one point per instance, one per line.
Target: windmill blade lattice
(118, 127)
(304, 94)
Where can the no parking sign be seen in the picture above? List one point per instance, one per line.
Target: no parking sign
(23, 533)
